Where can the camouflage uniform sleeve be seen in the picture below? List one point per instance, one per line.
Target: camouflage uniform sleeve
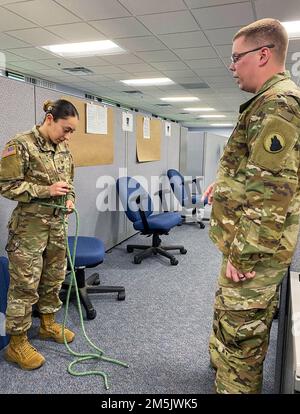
(271, 182)
(13, 166)
(71, 193)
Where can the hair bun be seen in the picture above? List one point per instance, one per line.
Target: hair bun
(48, 105)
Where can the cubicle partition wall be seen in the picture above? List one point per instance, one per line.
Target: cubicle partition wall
(21, 108)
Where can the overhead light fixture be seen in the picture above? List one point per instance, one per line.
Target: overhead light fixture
(148, 82)
(198, 109)
(84, 49)
(211, 116)
(221, 125)
(293, 28)
(180, 99)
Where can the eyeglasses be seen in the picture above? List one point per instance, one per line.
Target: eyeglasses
(237, 56)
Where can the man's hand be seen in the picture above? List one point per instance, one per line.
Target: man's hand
(70, 206)
(209, 193)
(235, 275)
(59, 188)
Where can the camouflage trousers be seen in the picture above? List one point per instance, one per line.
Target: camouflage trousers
(241, 327)
(37, 265)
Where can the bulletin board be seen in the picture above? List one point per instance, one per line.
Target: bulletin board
(91, 149)
(148, 149)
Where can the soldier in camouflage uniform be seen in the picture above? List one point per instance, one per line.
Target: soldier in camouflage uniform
(255, 207)
(36, 166)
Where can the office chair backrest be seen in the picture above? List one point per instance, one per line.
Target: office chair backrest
(177, 185)
(133, 198)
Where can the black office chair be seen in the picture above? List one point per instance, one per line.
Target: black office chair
(89, 253)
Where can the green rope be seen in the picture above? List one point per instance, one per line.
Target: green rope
(99, 355)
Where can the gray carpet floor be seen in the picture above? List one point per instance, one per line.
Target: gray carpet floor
(161, 330)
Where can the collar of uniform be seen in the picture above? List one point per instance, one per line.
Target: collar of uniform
(42, 142)
(267, 85)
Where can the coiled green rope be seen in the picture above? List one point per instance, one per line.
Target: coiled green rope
(99, 355)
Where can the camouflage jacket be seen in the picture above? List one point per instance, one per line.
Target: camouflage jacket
(30, 164)
(256, 207)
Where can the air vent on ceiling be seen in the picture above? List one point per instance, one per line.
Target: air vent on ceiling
(200, 85)
(163, 104)
(133, 92)
(78, 70)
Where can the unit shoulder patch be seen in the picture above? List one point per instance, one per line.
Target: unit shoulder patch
(274, 143)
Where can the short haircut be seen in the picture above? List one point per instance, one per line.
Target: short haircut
(267, 31)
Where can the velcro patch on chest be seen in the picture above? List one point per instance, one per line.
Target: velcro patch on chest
(274, 143)
(10, 150)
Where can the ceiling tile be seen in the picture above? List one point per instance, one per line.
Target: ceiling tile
(182, 40)
(137, 67)
(95, 9)
(196, 53)
(157, 56)
(123, 59)
(174, 74)
(282, 10)
(76, 32)
(224, 51)
(10, 21)
(141, 7)
(172, 65)
(212, 71)
(29, 64)
(42, 12)
(32, 53)
(205, 63)
(37, 36)
(124, 27)
(195, 4)
(8, 42)
(11, 57)
(139, 44)
(221, 36)
(173, 22)
(224, 16)
(88, 61)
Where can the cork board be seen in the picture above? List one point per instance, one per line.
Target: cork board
(91, 149)
(148, 149)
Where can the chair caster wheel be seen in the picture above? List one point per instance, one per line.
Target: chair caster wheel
(202, 225)
(121, 295)
(91, 314)
(96, 281)
(129, 249)
(174, 262)
(183, 251)
(137, 260)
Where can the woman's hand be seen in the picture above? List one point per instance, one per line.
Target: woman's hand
(70, 206)
(58, 189)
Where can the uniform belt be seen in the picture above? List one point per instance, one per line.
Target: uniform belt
(38, 209)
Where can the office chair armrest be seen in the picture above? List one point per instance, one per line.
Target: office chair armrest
(139, 200)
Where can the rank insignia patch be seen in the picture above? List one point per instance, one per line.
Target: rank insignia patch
(274, 143)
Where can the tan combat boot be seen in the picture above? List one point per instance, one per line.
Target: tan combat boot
(51, 330)
(21, 352)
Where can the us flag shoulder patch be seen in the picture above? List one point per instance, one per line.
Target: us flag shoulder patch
(11, 150)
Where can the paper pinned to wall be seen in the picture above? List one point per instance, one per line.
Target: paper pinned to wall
(127, 121)
(167, 129)
(146, 127)
(96, 119)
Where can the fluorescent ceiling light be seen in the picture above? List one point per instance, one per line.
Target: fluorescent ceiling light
(180, 99)
(211, 116)
(83, 49)
(293, 28)
(221, 125)
(198, 109)
(148, 82)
